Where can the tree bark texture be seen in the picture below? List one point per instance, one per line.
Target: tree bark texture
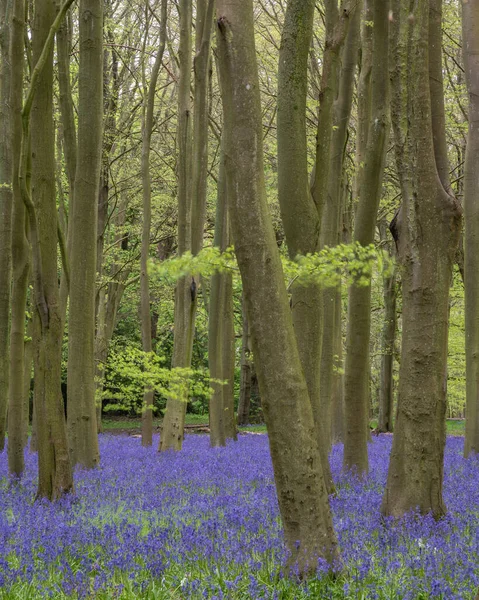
(55, 473)
(388, 338)
(186, 288)
(301, 489)
(246, 366)
(20, 254)
(470, 33)
(82, 429)
(426, 231)
(148, 396)
(6, 204)
(369, 185)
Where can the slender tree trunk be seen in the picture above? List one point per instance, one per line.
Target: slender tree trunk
(386, 390)
(229, 359)
(331, 213)
(148, 396)
(20, 254)
(82, 428)
(415, 475)
(6, 203)
(27, 381)
(337, 399)
(301, 488)
(55, 473)
(356, 379)
(185, 293)
(246, 371)
(215, 323)
(470, 33)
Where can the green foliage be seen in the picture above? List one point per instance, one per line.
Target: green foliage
(130, 371)
(344, 263)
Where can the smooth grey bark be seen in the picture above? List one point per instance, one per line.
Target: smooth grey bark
(300, 484)
(55, 476)
(331, 218)
(388, 338)
(470, 33)
(82, 428)
(246, 366)
(415, 475)
(147, 130)
(369, 186)
(17, 426)
(6, 204)
(185, 293)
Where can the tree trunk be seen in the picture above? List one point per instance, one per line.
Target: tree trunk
(17, 419)
(386, 390)
(55, 473)
(148, 110)
(185, 293)
(415, 475)
(301, 488)
(6, 203)
(369, 185)
(229, 358)
(216, 323)
(331, 215)
(27, 382)
(246, 371)
(337, 399)
(470, 32)
(82, 428)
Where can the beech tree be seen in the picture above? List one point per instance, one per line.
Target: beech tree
(300, 484)
(470, 32)
(369, 184)
(6, 198)
(426, 230)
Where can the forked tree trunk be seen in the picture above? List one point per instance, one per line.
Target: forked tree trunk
(300, 484)
(369, 185)
(82, 429)
(54, 467)
(470, 33)
(415, 475)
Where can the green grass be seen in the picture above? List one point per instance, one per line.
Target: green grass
(453, 426)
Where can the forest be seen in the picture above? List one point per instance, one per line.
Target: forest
(239, 299)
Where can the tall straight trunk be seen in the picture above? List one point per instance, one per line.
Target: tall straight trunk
(215, 322)
(337, 396)
(415, 475)
(194, 208)
(148, 396)
(229, 359)
(82, 429)
(331, 214)
(388, 337)
(6, 203)
(185, 293)
(356, 378)
(54, 468)
(221, 330)
(470, 33)
(69, 138)
(300, 484)
(246, 368)
(27, 381)
(21, 255)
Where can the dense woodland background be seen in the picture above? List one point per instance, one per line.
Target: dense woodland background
(131, 147)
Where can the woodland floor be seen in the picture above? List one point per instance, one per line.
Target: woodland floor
(204, 523)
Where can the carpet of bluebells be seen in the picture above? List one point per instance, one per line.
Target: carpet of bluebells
(204, 523)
